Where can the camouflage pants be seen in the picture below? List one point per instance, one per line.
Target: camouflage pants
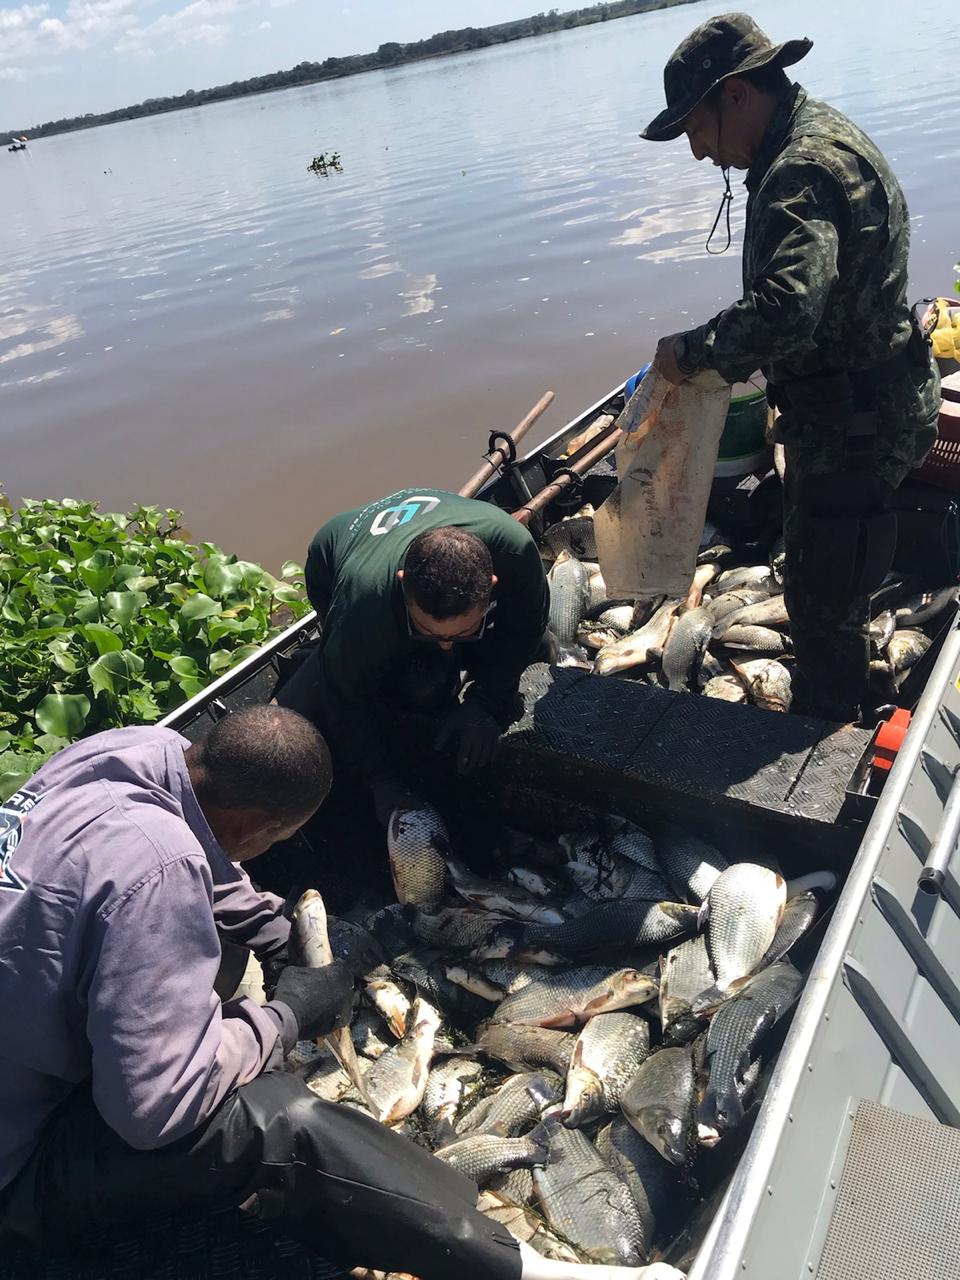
(828, 584)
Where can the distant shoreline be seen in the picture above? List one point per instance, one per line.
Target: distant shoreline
(390, 54)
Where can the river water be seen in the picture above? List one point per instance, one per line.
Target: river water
(190, 318)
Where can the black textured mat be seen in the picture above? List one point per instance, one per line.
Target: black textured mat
(222, 1245)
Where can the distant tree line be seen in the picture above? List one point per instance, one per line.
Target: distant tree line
(390, 54)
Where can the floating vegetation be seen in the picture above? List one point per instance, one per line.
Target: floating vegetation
(323, 165)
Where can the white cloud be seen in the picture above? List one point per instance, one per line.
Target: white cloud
(12, 73)
(19, 19)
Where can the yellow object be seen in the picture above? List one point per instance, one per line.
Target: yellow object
(946, 336)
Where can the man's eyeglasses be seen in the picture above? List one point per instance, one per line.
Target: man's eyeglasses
(471, 638)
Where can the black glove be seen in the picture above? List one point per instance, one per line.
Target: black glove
(273, 965)
(390, 794)
(475, 732)
(321, 999)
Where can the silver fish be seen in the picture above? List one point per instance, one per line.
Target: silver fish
(370, 1036)
(766, 613)
(618, 617)
(684, 973)
(607, 1054)
(472, 980)
(593, 635)
(756, 576)
(725, 688)
(905, 648)
(746, 905)
(767, 682)
(501, 899)
(648, 1177)
(389, 1000)
(574, 995)
(480, 1155)
(417, 845)
(526, 1048)
(881, 629)
(515, 1106)
(637, 649)
(754, 640)
(534, 881)
(584, 1200)
(692, 864)
(328, 1080)
(628, 922)
(737, 1028)
(721, 606)
(514, 1185)
(798, 915)
(396, 1082)
(456, 927)
(575, 537)
(629, 841)
(448, 1087)
(499, 1203)
(569, 585)
(684, 648)
(659, 1103)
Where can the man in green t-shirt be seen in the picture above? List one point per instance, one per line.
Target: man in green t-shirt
(412, 591)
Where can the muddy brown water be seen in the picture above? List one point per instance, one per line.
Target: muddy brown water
(188, 317)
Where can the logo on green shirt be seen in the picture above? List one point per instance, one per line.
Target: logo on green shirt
(402, 513)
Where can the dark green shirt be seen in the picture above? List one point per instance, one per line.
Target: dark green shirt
(352, 583)
(824, 277)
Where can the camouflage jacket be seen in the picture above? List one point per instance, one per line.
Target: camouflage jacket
(825, 279)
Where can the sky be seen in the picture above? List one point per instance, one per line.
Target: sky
(67, 57)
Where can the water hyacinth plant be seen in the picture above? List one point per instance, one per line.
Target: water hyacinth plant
(110, 619)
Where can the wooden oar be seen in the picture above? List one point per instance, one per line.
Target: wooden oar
(578, 465)
(499, 455)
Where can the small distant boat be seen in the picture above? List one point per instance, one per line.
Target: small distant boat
(18, 144)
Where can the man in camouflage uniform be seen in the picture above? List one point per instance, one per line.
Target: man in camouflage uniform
(824, 315)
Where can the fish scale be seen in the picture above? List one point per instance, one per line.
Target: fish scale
(584, 1200)
(735, 1032)
(481, 1155)
(515, 1106)
(692, 864)
(445, 1092)
(659, 1103)
(746, 903)
(687, 641)
(572, 995)
(528, 1047)
(607, 1054)
(645, 1172)
(396, 1082)
(569, 585)
(685, 973)
(417, 845)
(627, 923)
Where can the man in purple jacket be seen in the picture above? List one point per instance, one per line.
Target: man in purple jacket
(126, 1087)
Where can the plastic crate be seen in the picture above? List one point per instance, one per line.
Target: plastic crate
(942, 465)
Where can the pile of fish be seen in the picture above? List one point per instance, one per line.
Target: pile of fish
(729, 636)
(573, 1030)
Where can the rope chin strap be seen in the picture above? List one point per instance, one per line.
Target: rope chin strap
(726, 200)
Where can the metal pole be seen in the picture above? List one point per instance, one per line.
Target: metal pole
(578, 465)
(497, 457)
(944, 843)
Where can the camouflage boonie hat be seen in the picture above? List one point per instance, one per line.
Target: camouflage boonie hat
(726, 46)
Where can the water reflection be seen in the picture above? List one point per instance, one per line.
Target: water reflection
(498, 229)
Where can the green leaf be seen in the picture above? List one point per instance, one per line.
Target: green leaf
(50, 742)
(12, 780)
(60, 652)
(199, 606)
(184, 666)
(192, 687)
(102, 638)
(97, 571)
(13, 607)
(113, 672)
(63, 714)
(87, 609)
(222, 579)
(220, 660)
(6, 737)
(123, 606)
(287, 595)
(143, 582)
(290, 569)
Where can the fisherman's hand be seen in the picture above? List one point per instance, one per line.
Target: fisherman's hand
(390, 794)
(475, 733)
(273, 965)
(668, 358)
(321, 999)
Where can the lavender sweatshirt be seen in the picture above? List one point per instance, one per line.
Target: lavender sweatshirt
(112, 889)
